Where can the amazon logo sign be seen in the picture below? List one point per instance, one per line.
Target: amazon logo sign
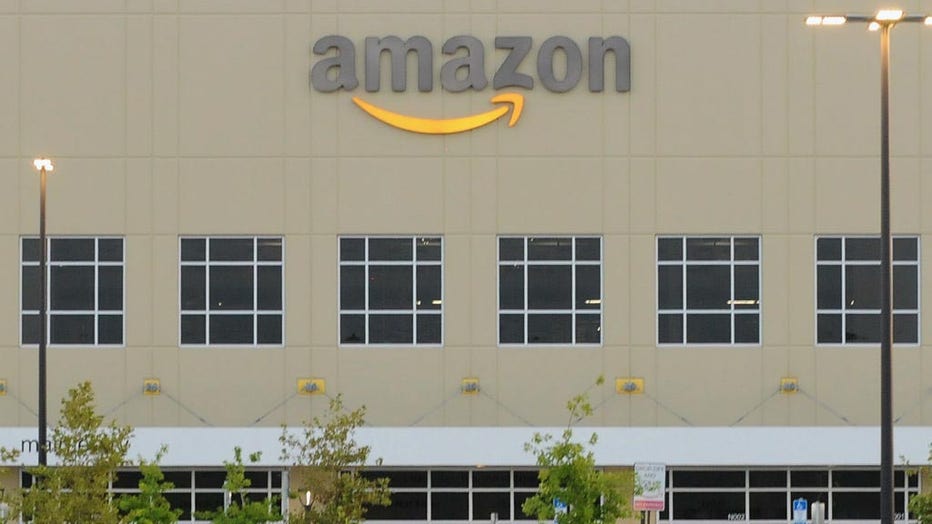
(465, 70)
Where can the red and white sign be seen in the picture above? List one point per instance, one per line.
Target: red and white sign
(650, 481)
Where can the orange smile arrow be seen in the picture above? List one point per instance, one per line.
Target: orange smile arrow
(449, 125)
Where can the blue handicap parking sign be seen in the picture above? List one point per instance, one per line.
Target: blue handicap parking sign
(800, 509)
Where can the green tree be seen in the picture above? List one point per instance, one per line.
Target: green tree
(241, 510)
(150, 506)
(327, 463)
(920, 506)
(89, 453)
(568, 474)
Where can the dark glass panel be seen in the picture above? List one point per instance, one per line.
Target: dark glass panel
(231, 249)
(110, 288)
(526, 479)
(491, 479)
(31, 250)
(588, 287)
(860, 505)
(862, 287)
(808, 479)
(829, 287)
(399, 479)
(708, 329)
(71, 329)
(768, 505)
(72, 249)
(193, 250)
(856, 478)
(180, 501)
(353, 329)
(258, 479)
(708, 287)
(511, 287)
(352, 249)
(231, 329)
(231, 288)
(31, 297)
(905, 249)
(404, 506)
(549, 329)
(484, 504)
(588, 249)
(127, 480)
(862, 248)
(549, 248)
(588, 329)
(510, 249)
(746, 248)
(708, 479)
(193, 287)
(352, 287)
(428, 249)
(72, 288)
(390, 249)
(428, 329)
(391, 287)
(511, 329)
(670, 329)
(549, 287)
(520, 497)
(828, 249)
(269, 329)
(747, 329)
(767, 479)
(276, 479)
(269, 292)
(747, 287)
(428, 287)
(193, 330)
(269, 249)
(862, 329)
(110, 329)
(208, 501)
(708, 505)
(670, 287)
(110, 249)
(905, 287)
(449, 479)
(449, 506)
(708, 249)
(181, 479)
(391, 329)
(829, 329)
(669, 249)
(905, 329)
(30, 329)
(209, 479)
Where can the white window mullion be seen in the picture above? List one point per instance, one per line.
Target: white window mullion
(731, 293)
(527, 269)
(207, 266)
(414, 290)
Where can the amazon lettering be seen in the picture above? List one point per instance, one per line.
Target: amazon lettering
(466, 69)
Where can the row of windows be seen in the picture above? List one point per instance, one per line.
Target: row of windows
(391, 290)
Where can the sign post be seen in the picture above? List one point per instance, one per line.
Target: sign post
(650, 481)
(800, 511)
(559, 508)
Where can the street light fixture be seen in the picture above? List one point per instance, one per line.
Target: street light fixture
(883, 21)
(44, 166)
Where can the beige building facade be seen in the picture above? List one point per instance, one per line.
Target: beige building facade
(704, 237)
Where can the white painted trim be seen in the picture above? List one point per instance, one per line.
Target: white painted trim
(504, 446)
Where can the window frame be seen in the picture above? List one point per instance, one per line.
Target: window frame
(573, 311)
(684, 311)
(255, 263)
(96, 312)
(413, 263)
(843, 263)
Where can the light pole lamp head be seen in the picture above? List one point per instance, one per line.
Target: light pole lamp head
(44, 164)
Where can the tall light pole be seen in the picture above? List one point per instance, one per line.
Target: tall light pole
(45, 166)
(883, 22)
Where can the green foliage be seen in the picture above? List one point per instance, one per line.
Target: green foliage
(150, 506)
(327, 462)
(241, 510)
(920, 506)
(568, 474)
(89, 453)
